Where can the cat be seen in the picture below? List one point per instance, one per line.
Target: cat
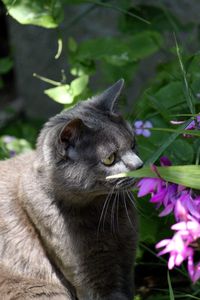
(67, 232)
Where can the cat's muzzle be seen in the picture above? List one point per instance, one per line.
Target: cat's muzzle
(124, 183)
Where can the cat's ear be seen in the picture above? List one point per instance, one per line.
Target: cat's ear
(107, 101)
(71, 131)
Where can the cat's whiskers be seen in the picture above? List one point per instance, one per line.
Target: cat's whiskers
(124, 200)
(108, 206)
(117, 212)
(113, 212)
(104, 210)
(131, 198)
(133, 201)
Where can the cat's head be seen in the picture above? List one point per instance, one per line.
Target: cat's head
(80, 147)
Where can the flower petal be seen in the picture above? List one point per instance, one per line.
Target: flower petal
(171, 262)
(164, 161)
(159, 196)
(168, 209)
(179, 259)
(179, 226)
(138, 131)
(148, 124)
(138, 124)
(146, 133)
(163, 243)
(146, 186)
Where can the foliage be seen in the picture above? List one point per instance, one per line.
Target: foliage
(47, 13)
(6, 65)
(172, 95)
(11, 146)
(67, 94)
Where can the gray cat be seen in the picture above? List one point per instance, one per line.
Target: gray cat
(65, 231)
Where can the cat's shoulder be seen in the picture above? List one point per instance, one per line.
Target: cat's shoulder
(12, 167)
(20, 159)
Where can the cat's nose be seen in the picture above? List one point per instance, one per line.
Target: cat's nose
(137, 163)
(132, 161)
(140, 165)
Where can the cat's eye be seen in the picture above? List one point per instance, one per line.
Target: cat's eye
(108, 161)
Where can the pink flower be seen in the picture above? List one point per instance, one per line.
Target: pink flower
(186, 208)
(176, 248)
(190, 229)
(193, 270)
(179, 247)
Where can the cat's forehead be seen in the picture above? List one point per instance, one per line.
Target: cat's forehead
(99, 119)
(114, 137)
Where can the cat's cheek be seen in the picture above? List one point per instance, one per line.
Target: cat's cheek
(119, 167)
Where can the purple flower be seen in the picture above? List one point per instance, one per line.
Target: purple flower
(177, 249)
(141, 128)
(190, 230)
(8, 139)
(193, 270)
(12, 153)
(186, 208)
(164, 161)
(162, 193)
(149, 185)
(195, 124)
(179, 246)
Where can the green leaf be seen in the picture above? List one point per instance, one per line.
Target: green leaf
(6, 65)
(170, 94)
(188, 93)
(188, 175)
(120, 51)
(72, 45)
(66, 94)
(189, 132)
(144, 44)
(171, 293)
(112, 73)
(158, 105)
(181, 151)
(75, 1)
(78, 85)
(161, 19)
(166, 143)
(60, 94)
(46, 13)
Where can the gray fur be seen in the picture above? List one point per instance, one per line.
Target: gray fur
(65, 231)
